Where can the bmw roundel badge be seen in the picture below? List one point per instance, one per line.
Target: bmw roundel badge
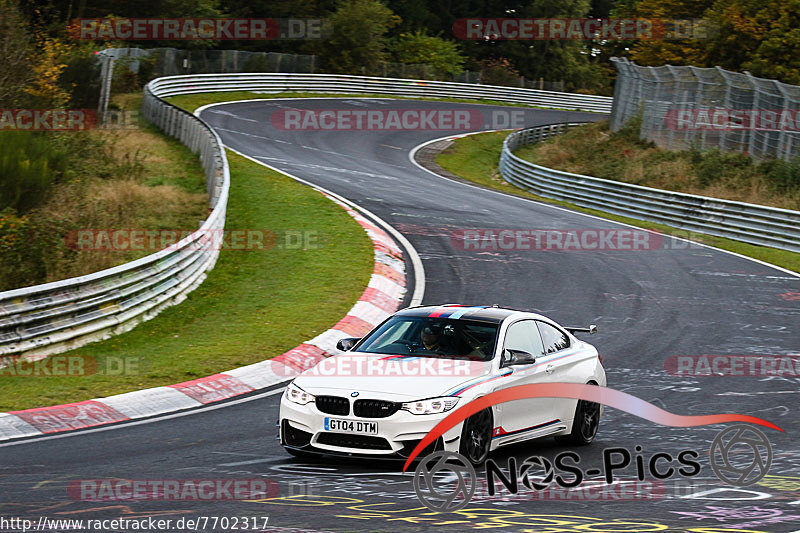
(354, 394)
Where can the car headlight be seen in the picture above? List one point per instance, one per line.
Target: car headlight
(431, 406)
(297, 395)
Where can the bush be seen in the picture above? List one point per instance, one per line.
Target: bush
(783, 177)
(441, 54)
(631, 130)
(499, 72)
(26, 245)
(81, 78)
(258, 63)
(147, 70)
(714, 166)
(124, 80)
(29, 164)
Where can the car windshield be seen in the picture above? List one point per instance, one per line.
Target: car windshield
(432, 337)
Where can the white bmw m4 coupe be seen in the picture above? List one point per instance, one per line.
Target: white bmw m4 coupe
(387, 390)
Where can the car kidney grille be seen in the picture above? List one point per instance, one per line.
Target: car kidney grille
(374, 408)
(364, 442)
(333, 405)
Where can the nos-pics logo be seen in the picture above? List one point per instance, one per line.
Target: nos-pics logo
(446, 481)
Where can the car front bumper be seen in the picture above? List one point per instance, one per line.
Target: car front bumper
(302, 428)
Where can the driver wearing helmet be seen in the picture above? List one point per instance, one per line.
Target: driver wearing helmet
(431, 339)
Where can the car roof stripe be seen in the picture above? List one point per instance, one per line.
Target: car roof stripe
(460, 312)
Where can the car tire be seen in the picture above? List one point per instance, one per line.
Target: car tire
(476, 437)
(584, 425)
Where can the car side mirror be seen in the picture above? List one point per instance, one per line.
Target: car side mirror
(347, 343)
(517, 357)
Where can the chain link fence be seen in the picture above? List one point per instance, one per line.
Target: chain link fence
(707, 108)
(158, 62)
(153, 63)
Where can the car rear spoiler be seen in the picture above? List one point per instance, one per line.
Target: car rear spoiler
(592, 329)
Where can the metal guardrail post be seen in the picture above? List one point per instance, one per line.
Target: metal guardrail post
(106, 76)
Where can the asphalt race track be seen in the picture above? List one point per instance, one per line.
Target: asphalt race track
(679, 299)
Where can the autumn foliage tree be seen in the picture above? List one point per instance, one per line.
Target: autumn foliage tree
(46, 70)
(15, 49)
(666, 51)
(759, 36)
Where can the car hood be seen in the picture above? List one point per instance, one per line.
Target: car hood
(394, 377)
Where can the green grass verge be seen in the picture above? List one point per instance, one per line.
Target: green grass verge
(190, 102)
(622, 156)
(112, 178)
(475, 158)
(253, 306)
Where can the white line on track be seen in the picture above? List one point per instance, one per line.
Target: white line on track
(253, 135)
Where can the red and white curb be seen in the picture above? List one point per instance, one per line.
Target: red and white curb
(382, 297)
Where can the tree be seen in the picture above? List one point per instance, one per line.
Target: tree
(443, 55)
(15, 49)
(553, 60)
(81, 76)
(45, 87)
(359, 41)
(762, 37)
(660, 51)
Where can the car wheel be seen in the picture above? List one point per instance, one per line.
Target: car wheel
(476, 437)
(585, 424)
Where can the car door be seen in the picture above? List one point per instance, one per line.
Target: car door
(518, 418)
(562, 363)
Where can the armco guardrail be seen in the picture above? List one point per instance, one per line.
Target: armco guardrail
(44, 319)
(345, 84)
(755, 224)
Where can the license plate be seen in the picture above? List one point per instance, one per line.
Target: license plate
(351, 426)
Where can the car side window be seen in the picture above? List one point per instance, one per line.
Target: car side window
(553, 339)
(524, 336)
